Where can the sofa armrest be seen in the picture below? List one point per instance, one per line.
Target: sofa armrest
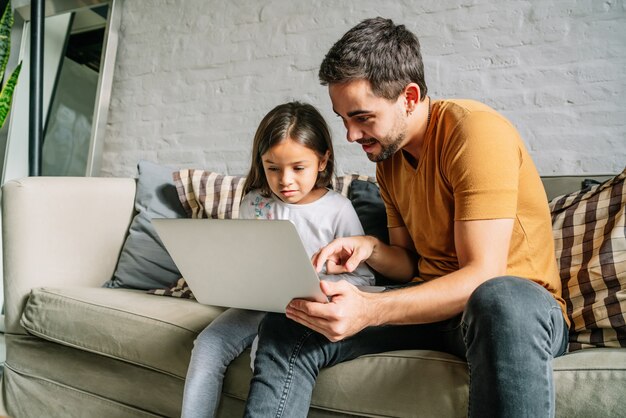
(61, 231)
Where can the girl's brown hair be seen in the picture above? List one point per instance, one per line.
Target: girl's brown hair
(299, 122)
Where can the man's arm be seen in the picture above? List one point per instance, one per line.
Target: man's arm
(396, 261)
(482, 248)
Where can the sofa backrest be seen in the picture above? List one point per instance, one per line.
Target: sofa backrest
(61, 231)
(558, 185)
(66, 231)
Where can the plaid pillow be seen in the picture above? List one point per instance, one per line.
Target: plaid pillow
(589, 228)
(205, 194)
(342, 184)
(180, 289)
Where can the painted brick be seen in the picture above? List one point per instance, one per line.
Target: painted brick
(194, 78)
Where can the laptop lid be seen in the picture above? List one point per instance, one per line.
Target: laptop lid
(241, 263)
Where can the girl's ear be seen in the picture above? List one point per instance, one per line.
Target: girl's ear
(324, 161)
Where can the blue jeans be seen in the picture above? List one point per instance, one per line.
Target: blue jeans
(214, 349)
(509, 333)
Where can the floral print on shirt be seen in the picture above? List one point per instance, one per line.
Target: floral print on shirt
(262, 207)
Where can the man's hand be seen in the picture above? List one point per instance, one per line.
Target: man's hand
(347, 312)
(343, 255)
(482, 248)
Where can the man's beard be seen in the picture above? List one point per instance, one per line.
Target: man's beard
(391, 143)
(389, 146)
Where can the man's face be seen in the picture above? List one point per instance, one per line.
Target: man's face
(376, 123)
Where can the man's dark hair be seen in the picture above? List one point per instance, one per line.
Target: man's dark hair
(377, 50)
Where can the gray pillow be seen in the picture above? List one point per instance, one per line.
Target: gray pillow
(144, 263)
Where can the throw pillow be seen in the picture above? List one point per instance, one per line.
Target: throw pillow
(144, 263)
(341, 184)
(370, 208)
(202, 194)
(590, 242)
(180, 289)
(205, 194)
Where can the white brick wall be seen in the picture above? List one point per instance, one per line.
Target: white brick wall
(193, 78)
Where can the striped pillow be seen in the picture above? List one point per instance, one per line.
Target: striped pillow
(342, 184)
(205, 194)
(589, 228)
(180, 289)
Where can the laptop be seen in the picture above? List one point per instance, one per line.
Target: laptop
(241, 263)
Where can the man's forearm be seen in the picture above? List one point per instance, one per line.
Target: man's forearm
(392, 261)
(433, 301)
(482, 248)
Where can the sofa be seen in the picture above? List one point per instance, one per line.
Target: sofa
(78, 349)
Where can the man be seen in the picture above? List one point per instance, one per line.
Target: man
(468, 220)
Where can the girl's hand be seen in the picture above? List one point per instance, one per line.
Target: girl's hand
(343, 255)
(347, 312)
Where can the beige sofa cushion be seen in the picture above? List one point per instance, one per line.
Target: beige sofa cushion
(157, 333)
(387, 384)
(129, 325)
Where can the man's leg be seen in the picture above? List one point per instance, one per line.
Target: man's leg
(513, 329)
(290, 357)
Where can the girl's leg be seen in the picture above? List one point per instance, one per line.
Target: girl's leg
(214, 349)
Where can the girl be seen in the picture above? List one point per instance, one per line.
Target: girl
(292, 166)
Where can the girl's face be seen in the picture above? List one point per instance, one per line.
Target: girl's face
(291, 170)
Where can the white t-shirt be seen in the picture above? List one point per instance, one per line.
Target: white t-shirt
(318, 223)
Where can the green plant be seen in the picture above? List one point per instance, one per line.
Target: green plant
(5, 50)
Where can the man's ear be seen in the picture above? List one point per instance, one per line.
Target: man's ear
(324, 161)
(411, 95)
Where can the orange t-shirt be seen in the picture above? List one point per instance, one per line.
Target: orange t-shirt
(474, 165)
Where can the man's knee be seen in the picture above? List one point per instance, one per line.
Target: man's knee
(505, 299)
